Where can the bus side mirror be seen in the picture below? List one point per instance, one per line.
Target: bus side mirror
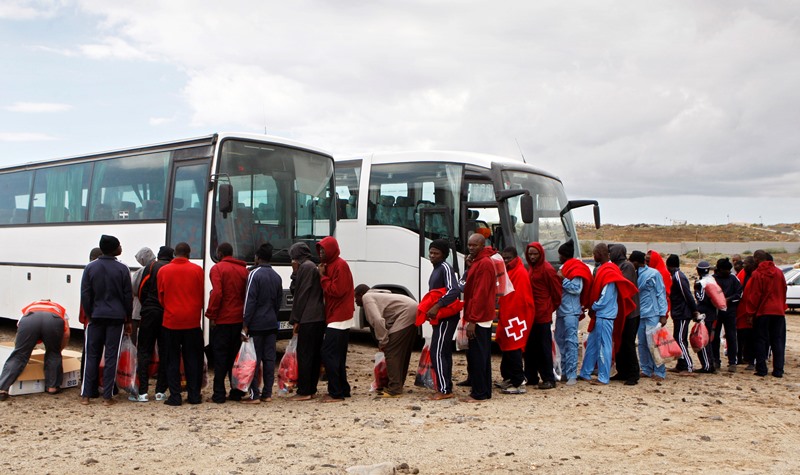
(526, 208)
(225, 197)
(596, 210)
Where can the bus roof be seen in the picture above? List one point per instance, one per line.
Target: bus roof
(479, 159)
(196, 141)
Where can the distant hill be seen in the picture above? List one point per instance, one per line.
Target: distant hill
(690, 232)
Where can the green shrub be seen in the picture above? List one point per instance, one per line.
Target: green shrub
(776, 250)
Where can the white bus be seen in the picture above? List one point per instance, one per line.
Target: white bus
(392, 205)
(237, 188)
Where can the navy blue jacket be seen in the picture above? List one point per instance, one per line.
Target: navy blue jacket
(106, 289)
(262, 299)
(443, 277)
(732, 289)
(680, 296)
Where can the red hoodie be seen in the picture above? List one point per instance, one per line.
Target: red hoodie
(519, 303)
(609, 273)
(337, 283)
(545, 284)
(180, 291)
(767, 288)
(480, 290)
(228, 284)
(657, 263)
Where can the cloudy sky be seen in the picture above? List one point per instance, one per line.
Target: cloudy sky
(671, 110)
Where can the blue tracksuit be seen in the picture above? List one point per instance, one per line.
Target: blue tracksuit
(652, 306)
(600, 345)
(567, 316)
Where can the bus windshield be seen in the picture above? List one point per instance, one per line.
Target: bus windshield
(548, 200)
(281, 195)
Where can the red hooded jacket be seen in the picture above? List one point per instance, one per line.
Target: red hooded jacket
(657, 263)
(228, 284)
(609, 273)
(519, 303)
(767, 291)
(480, 290)
(337, 283)
(545, 285)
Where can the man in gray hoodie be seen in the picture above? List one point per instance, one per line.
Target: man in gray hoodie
(308, 319)
(626, 357)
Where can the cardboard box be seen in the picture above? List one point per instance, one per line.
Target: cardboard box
(32, 378)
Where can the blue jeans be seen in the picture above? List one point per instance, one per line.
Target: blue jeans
(646, 362)
(599, 348)
(567, 341)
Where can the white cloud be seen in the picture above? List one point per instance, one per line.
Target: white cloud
(619, 99)
(156, 121)
(29, 9)
(25, 137)
(38, 107)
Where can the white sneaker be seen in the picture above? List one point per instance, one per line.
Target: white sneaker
(161, 396)
(572, 382)
(139, 398)
(504, 384)
(515, 389)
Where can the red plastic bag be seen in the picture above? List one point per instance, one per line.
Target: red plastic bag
(380, 372)
(715, 293)
(126, 367)
(698, 338)
(425, 374)
(667, 346)
(244, 367)
(287, 370)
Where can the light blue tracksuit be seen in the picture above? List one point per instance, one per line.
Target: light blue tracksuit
(600, 345)
(652, 306)
(567, 316)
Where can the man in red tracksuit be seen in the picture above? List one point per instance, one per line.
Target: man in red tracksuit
(225, 309)
(180, 291)
(480, 293)
(767, 303)
(338, 291)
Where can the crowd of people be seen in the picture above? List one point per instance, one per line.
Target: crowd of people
(627, 298)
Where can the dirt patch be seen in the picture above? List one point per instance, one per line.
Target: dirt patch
(723, 423)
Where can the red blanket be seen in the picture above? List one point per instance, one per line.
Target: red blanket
(609, 273)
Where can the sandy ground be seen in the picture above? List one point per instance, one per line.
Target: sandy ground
(723, 423)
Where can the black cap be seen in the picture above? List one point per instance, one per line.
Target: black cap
(108, 244)
(673, 261)
(442, 245)
(567, 249)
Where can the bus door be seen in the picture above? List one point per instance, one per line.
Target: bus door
(435, 223)
(187, 211)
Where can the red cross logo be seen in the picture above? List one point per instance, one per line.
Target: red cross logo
(516, 328)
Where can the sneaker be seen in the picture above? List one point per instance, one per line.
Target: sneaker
(515, 389)
(572, 382)
(504, 384)
(139, 398)
(750, 367)
(731, 368)
(464, 384)
(546, 385)
(161, 397)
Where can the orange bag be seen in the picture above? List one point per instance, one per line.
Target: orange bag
(126, 367)
(667, 346)
(699, 336)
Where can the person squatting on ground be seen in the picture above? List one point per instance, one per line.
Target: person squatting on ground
(514, 325)
(576, 284)
(726, 319)
(392, 317)
(261, 305)
(180, 291)
(337, 289)
(652, 313)
(767, 305)
(225, 310)
(107, 301)
(480, 294)
(307, 320)
(443, 281)
(546, 288)
(41, 320)
(626, 359)
(150, 328)
(683, 310)
(706, 307)
(612, 297)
